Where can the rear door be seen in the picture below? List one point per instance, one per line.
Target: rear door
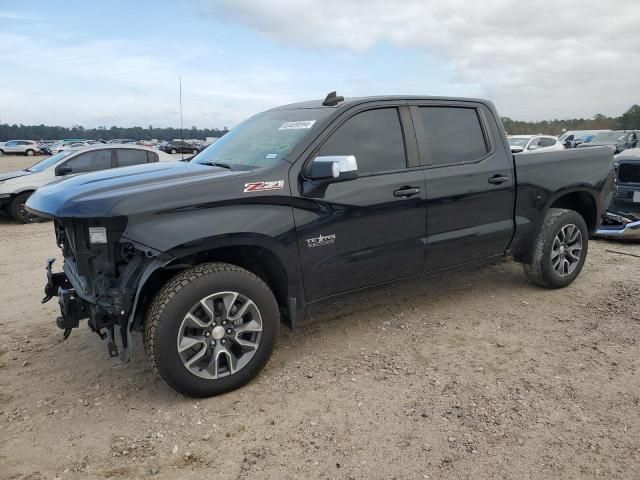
(470, 183)
(365, 231)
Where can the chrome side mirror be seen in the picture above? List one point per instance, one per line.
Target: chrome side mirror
(334, 168)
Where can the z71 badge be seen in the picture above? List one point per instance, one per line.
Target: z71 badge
(263, 186)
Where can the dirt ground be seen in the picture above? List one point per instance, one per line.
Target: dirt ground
(475, 375)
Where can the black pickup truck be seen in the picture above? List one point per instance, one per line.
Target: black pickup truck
(298, 205)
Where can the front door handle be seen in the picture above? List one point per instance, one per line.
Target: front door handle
(498, 179)
(406, 192)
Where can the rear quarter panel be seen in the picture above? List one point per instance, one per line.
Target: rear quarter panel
(544, 177)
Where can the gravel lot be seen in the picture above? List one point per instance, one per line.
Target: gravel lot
(475, 375)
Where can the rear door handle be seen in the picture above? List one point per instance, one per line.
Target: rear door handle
(406, 192)
(498, 179)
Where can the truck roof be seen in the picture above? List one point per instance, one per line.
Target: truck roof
(351, 101)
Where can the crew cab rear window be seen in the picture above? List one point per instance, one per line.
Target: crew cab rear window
(130, 156)
(450, 135)
(374, 137)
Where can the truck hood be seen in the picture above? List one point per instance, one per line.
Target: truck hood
(9, 175)
(94, 195)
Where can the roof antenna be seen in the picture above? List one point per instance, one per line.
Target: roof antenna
(332, 100)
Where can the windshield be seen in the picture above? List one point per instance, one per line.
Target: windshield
(47, 162)
(262, 140)
(518, 141)
(611, 137)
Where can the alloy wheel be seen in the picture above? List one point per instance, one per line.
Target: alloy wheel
(566, 250)
(219, 335)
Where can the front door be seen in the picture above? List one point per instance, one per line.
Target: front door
(470, 183)
(365, 231)
(12, 147)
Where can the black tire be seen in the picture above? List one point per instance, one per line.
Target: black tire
(30, 153)
(171, 304)
(174, 151)
(17, 210)
(540, 270)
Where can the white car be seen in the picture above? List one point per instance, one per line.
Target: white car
(60, 146)
(19, 147)
(530, 143)
(16, 187)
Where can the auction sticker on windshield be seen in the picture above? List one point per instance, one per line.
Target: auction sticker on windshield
(297, 125)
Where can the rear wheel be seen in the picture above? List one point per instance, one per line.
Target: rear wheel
(18, 210)
(211, 329)
(174, 151)
(560, 250)
(30, 153)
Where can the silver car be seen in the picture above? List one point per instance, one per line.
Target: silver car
(16, 187)
(19, 147)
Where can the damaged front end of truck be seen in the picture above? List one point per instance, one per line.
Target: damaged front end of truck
(100, 279)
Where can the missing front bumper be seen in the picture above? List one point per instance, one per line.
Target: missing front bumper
(73, 308)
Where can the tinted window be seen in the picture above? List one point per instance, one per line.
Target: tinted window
(130, 156)
(450, 135)
(90, 161)
(547, 142)
(374, 137)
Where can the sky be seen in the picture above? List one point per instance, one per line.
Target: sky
(97, 63)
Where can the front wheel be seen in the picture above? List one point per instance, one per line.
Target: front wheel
(560, 249)
(211, 329)
(194, 151)
(18, 210)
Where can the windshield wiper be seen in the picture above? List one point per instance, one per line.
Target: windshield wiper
(217, 164)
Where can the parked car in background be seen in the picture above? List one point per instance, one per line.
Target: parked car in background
(623, 216)
(617, 140)
(66, 145)
(20, 147)
(122, 140)
(530, 143)
(17, 187)
(180, 146)
(573, 138)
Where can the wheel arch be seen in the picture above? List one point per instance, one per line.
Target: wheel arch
(258, 259)
(580, 201)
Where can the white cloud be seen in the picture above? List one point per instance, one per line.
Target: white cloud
(535, 59)
(67, 80)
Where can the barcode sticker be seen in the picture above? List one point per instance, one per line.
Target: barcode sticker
(297, 125)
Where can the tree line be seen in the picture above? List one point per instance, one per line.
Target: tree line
(46, 132)
(627, 121)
